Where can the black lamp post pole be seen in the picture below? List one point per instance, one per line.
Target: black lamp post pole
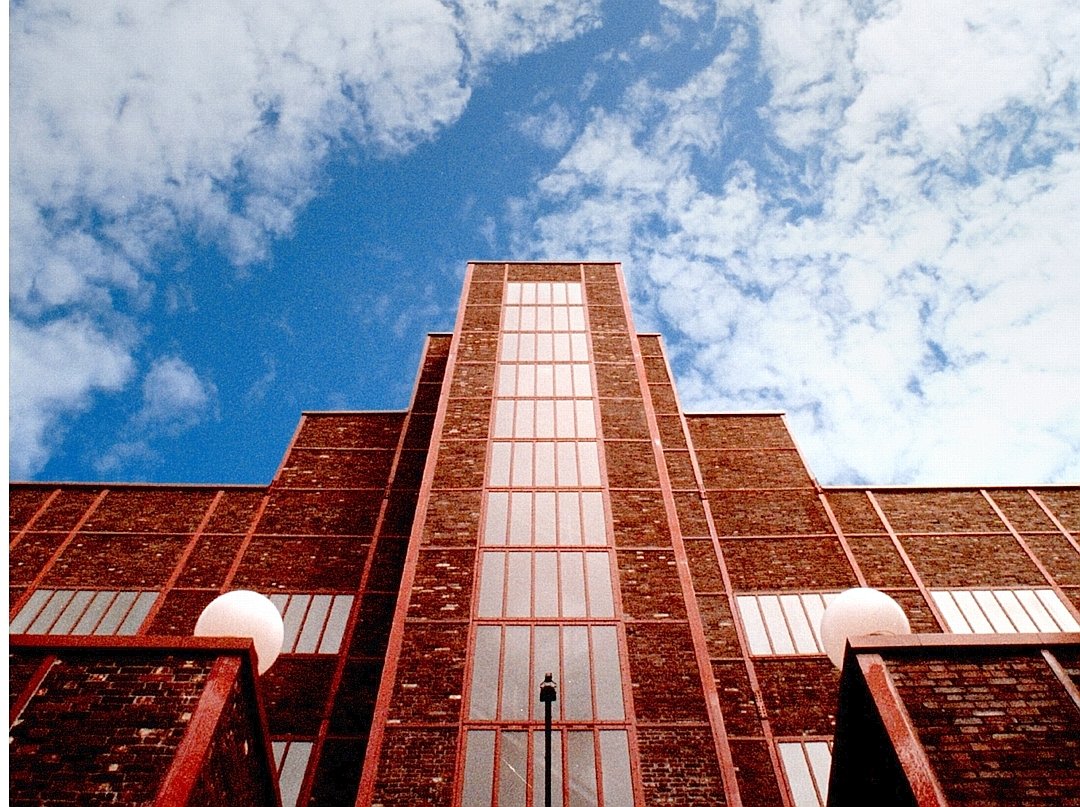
(547, 697)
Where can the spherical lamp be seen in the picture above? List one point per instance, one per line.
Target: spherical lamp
(246, 615)
(860, 612)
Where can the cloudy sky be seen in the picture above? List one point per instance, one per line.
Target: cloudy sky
(863, 213)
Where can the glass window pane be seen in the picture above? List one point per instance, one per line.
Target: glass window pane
(1033, 607)
(993, 612)
(134, 619)
(523, 422)
(520, 518)
(499, 470)
(1061, 615)
(521, 473)
(485, 673)
(564, 381)
(511, 318)
(527, 347)
(29, 611)
(293, 618)
(972, 613)
(495, 522)
(507, 382)
(586, 419)
(546, 589)
(528, 293)
(615, 768)
(545, 380)
(116, 613)
(51, 612)
(590, 465)
(815, 609)
(568, 474)
(598, 574)
(797, 772)
(954, 620)
(313, 624)
(573, 293)
(577, 318)
(518, 584)
(560, 347)
(543, 318)
(560, 320)
(569, 519)
(512, 770)
(609, 702)
(479, 767)
(582, 381)
(93, 615)
(572, 578)
(820, 762)
(798, 624)
(544, 347)
(756, 635)
(540, 767)
(513, 293)
(526, 386)
(577, 679)
(545, 464)
(545, 419)
(543, 293)
(528, 318)
(558, 293)
(581, 768)
(547, 659)
(72, 612)
(292, 772)
(564, 409)
(516, 683)
(775, 624)
(544, 532)
(335, 624)
(592, 511)
(1008, 602)
(492, 572)
(504, 419)
(579, 347)
(509, 347)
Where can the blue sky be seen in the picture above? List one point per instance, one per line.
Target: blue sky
(861, 213)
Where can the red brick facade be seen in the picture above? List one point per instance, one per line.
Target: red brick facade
(388, 508)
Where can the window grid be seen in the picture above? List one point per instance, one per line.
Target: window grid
(783, 624)
(82, 612)
(1037, 610)
(806, 767)
(545, 601)
(314, 623)
(588, 767)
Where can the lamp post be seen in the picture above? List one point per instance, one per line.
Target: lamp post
(547, 697)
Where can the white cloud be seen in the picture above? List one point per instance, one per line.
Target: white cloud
(131, 124)
(894, 265)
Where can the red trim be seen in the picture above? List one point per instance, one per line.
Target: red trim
(33, 519)
(239, 557)
(30, 688)
(697, 630)
(366, 791)
(733, 609)
(1062, 677)
(187, 764)
(1034, 558)
(1049, 514)
(907, 562)
(181, 561)
(902, 734)
(843, 540)
(47, 567)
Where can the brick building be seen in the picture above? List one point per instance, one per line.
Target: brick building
(542, 506)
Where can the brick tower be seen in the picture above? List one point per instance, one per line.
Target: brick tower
(544, 506)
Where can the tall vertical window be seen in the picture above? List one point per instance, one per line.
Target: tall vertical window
(545, 600)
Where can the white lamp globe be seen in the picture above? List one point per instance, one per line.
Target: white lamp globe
(246, 615)
(860, 612)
